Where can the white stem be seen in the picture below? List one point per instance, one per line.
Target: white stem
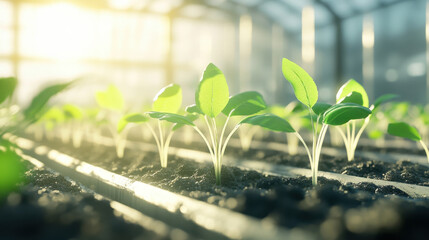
(211, 133)
(205, 140)
(223, 132)
(306, 148)
(158, 144)
(425, 148)
(227, 139)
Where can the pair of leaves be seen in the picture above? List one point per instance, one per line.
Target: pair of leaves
(212, 97)
(179, 120)
(353, 92)
(166, 104)
(7, 87)
(337, 114)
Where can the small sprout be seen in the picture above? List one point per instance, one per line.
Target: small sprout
(112, 102)
(165, 106)
(212, 98)
(404, 130)
(353, 93)
(306, 92)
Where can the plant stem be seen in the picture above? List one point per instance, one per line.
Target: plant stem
(425, 148)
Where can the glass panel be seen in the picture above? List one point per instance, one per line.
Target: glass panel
(6, 14)
(6, 41)
(6, 69)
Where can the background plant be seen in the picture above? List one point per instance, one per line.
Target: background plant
(404, 130)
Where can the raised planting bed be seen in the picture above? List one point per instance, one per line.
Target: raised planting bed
(48, 206)
(332, 210)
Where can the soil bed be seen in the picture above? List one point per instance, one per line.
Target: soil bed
(47, 206)
(332, 210)
(403, 171)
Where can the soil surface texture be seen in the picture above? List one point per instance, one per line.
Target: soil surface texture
(332, 210)
(47, 206)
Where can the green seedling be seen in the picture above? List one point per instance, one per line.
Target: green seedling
(321, 114)
(353, 92)
(404, 130)
(112, 102)
(212, 99)
(12, 120)
(165, 106)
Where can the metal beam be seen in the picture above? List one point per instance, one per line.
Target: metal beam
(338, 40)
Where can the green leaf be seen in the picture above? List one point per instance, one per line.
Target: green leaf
(130, 118)
(352, 86)
(190, 117)
(7, 87)
(269, 121)
(353, 97)
(168, 99)
(212, 94)
(171, 117)
(111, 98)
(294, 107)
(243, 104)
(303, 85)
(37, 105)
(404, 130)
(11, 170)
(193, 109)
(320, 108)
(383, 99)
(341, 113)
(72, 111)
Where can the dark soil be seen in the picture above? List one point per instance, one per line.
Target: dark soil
(47, 206)
(402, 171)
(332, 210)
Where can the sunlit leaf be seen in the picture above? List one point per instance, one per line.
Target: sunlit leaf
(37, 105)
(193, 109)
(404, 130)
(111, 98)
(352, 86)
(168, 99)
(341, 113)
(269, 121)
(353, 97)
(171, 117)
(7, 87)
(320, 108)
(303, 85)
(212, 94)
(245, 103)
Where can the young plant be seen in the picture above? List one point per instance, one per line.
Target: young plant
(212, 99)
(404, 130)
(353, 92)
(166, 103)
(73, 122)
(11, 121)
(112, 102)
(320, 113)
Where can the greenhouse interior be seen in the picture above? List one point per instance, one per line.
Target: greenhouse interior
(214, 119)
